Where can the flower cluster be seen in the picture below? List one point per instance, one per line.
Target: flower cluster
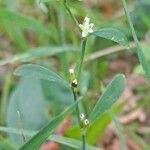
(84, 120)
(86, 27)
(73, 80)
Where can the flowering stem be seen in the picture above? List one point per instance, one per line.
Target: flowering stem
(84, 142)
(77, 106)
(78, 73)
(79, 121)
(81, 58)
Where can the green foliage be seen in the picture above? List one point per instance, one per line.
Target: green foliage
(112, 34)
(59, 139)
(142, 59)
(111, 94)
(42, 94)
(22, 21)
(72, 143)
(38, 72)
(27, 98)
(96, 129)
(35, 53)
(16, 35)
(44, 133)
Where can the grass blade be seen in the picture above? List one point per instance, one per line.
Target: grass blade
(37, 53)
(23, 21)
(43, 134)
(141, 56)
(59, 139)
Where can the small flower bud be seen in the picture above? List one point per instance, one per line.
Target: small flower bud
(82, 116)
(74, 83)
(86, 122)
(73, 80)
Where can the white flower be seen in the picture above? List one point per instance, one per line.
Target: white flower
(71, 71)
(86, 27)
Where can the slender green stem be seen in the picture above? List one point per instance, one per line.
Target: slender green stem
(130, 22)
(81, 58)
(77, 106)
(84, 142)
(140, 53)
(78, 72)
(71, 15)
(79, 121)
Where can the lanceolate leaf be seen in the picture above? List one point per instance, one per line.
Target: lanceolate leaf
(38, 53)
(43, 134)
(39, 72)
(59, 139)
(71, 142)
(23, 21)
(111, 94)
(112, 34)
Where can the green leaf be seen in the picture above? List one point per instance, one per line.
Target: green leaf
(111, 94)
(71, 142)
(37, 53)
(38, 72)
(112, 34)
(96, 129)
(28, 98)
(15, 34)
(59, 139)
(16, 19)
(43, 134)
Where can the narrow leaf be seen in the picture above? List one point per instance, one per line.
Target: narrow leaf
(39, 72)
(112, 34)
(111, 94)
(59, 139)
(23, 21)
(71, 142)
(37, 53)
(43, 134)
(143, 61)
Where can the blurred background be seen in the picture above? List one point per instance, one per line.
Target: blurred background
(43, 33)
